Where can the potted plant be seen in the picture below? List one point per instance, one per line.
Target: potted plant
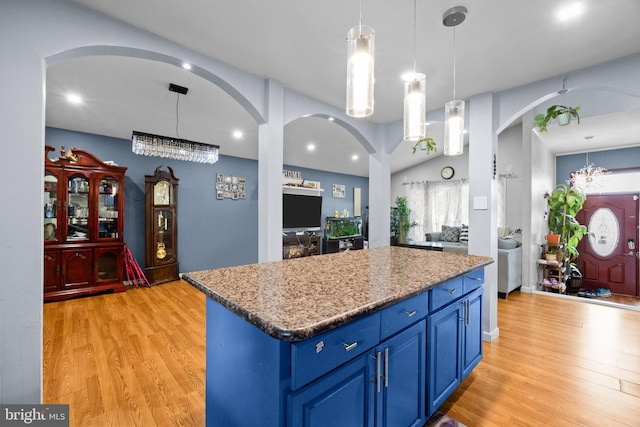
(400, 223)
(564, 203)
(561, 113)
(425, 144)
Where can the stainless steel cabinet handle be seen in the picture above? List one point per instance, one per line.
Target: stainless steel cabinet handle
(452, 291)
(349, 347)
(477, 279)
(386, 367)
(410, 313)
(378, 373)
(466, 316)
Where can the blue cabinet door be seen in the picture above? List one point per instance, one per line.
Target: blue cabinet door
(444, 341)
(472, 332)
(342, 398)
(402, 399)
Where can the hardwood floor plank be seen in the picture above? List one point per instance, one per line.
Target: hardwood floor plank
(138, 358)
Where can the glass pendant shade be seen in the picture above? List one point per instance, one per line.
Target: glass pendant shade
(454, 128)
(360, 65)
(414, 108)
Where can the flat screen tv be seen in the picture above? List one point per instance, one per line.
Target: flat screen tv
(301, 212)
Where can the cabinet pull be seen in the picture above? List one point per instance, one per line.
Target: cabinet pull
(452, 291)
(466, 312)
(410, 313)
(378, 371)
(349, 347)
(477, 279)
(386, 367)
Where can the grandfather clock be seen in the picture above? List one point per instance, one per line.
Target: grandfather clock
(161, 199)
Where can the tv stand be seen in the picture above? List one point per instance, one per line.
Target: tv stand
(296, 246)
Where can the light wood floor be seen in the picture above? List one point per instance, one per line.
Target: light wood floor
(138, 359)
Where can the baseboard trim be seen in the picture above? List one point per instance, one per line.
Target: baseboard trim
(490, 336)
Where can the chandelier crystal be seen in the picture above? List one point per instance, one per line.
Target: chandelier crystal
(147, 144)
(587, 179)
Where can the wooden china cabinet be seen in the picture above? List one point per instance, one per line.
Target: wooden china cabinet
(83, 208)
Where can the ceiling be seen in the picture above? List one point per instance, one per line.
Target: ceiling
(502, 44)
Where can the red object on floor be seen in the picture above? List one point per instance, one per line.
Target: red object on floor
(133, 270)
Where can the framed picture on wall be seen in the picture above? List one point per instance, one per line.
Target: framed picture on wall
(338, 191)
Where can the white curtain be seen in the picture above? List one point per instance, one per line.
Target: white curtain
(437, 203)
(447, 204)
(416, 200)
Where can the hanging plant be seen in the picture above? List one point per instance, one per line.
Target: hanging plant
(425, 144)
(561, 113)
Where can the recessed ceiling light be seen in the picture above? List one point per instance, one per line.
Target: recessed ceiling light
(354, 157)
(237, 134)
(186, 65)
(570, 12)
(331, 119)
(74, 98)
(311, 146)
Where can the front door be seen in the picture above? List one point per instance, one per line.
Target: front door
(609, 256)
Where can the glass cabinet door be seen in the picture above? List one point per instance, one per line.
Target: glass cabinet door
(50, 206)
(108, 208)
(77, 207)
(164, 235)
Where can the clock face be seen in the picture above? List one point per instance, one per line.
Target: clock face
(447, 172)
(161, 193)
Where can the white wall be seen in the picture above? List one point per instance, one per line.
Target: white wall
(510, 160)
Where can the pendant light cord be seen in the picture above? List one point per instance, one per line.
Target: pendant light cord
(454, 63)
(177, 114)
(414, 39)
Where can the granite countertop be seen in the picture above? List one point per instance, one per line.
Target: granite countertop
(299, 298)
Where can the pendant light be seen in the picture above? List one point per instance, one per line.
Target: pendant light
(454, 110)
(414, 97)
(360, 67)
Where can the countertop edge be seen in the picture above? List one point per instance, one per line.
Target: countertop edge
(295, 335)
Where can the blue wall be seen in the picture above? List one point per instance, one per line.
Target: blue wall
(610, 159)
(327, 179)
(211, 233)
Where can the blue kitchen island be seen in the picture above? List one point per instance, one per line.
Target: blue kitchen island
(379, 337)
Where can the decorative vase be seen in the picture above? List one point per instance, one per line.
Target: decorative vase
(564, 119)
(553, 239)
(424, 145)
(551, 256)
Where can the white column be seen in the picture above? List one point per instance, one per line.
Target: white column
(270, 158)
(483, 233)
(379, 194)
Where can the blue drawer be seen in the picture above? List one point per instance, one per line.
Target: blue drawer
(403, 314)
(472, 280)
(318, 355)
(446, 293)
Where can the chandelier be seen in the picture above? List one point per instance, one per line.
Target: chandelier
(588, 179)
(147, 144)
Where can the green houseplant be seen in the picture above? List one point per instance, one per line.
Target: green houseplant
(564, 204)
(425, 144)
(400, 223)
(561, 113)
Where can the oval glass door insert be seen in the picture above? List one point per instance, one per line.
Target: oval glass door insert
(606, 232)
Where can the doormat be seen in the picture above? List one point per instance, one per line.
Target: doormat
(441, 420)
